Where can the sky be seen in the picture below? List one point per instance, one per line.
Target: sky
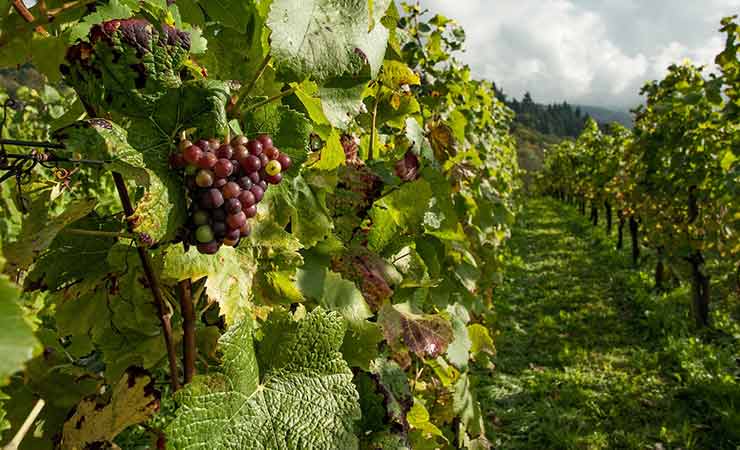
(590, 52)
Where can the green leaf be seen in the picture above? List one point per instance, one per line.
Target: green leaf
(290, 130)
(341, 101)
(111, 10)
(468, 409)
(230, 275)
(396, 74)
(323, 39)
(231, 13)
(296, 376)
(39, 230)
(395, 388)
(332, 155)
(481, 341)
(419, 419)
(17, 341)
(458, 351)
(397, 212)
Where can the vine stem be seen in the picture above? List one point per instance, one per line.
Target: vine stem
(375, 120)
(274, 98)
(154, 286)
(31, 143)
(248, 88)
(96, 233)
(23, 430)
(19, 6)
(185, 291)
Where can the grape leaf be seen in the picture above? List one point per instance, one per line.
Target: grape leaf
(309, 220)
(96, 421)
(402, 209)
(427, 335)
(72, 257)
(17, 341)
(341, 101)
(468, 409)
(293, 392)
(322, 39)
(231, 13)
(394, 386)
(396, 74)
(128, 65)
(332, 155)
(230, 275)
(160, 210)
(419, 418)
(481, 341)
(112, 10)
(290, 130)
(39, 229)
(458, 351)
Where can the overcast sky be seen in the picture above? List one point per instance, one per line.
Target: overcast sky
(593, 52)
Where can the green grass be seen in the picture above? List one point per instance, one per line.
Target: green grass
(590, 358)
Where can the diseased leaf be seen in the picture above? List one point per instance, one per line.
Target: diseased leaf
(427, 335)
(96, 421)
(294, 391)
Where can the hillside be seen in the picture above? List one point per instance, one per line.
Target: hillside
(606, 115)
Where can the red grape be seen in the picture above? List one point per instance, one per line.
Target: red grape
(264, 160)
(233, 206)
(246, 198)
(223, 168)
(272, 152)
(265, 140)
(211, 199)
(225, 151)
(240, 152)
(236, 221)
(274, 179)
(207, 160)
(251, 164)
(246, 230)
(255, 177)
(192, 154)
(263, 185)
(258, 193)
(285, 161)
(203, 144)
(231, 190)
(254, 147)
(220, 182)
(244, 183)
(250, 212)
(209, 248)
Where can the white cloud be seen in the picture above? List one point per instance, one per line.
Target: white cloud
(596, 52)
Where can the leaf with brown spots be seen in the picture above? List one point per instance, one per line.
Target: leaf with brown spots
(427, 335)
(97, 421)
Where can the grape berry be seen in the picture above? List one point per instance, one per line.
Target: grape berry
(226, 181)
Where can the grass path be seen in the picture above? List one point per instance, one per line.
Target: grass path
(576, 366)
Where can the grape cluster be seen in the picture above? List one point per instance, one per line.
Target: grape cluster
(225, 181)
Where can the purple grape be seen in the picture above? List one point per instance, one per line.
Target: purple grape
(258, 193)
(236, 221)
(251, 164)
(233, 206)
(265, 140)
(223, 168)
(210, 248)
(225, 151)
(246, 198)
(211, 199)
(231, 190)
(219, 229)
(244, 183)
(254, 147)
(250, 212)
